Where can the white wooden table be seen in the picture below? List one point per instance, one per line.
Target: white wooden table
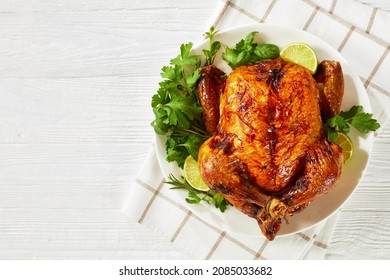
(76, 79)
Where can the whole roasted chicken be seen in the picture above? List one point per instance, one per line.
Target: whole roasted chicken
(268, 155)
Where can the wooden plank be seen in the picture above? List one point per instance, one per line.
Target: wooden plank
(361, 235)
(76, 79)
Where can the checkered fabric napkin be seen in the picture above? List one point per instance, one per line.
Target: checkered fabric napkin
(360, 33)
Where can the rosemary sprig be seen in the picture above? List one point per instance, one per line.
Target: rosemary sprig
(195, 196)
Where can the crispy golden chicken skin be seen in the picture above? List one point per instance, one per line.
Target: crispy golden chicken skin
(329, 77)
(269, 156)
(209, 89)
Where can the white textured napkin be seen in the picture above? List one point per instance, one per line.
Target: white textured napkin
(360, 33)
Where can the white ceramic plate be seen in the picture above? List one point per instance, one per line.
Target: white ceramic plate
(233, 220)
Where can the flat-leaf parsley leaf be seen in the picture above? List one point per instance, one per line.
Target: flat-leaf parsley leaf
(356, 117)
(177, 111)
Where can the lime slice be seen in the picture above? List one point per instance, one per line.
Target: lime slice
(192, 174)
(346, 145)
(302, 54)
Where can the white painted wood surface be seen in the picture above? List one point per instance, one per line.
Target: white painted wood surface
(76, 79)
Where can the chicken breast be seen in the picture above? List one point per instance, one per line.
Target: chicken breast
(269, 156)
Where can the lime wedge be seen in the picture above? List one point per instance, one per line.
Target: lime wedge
(301, 54)
(346, 145)
(192, 174)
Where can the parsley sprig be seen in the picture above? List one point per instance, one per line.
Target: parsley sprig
(177, 110)
(214, 46)
(178, 113)
(355, 117)
(196, 196)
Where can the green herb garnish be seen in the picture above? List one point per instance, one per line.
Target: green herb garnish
(178, 114)
(246, 52)
(213, 46)
(355, 117)
(196, 196)
(176, 107)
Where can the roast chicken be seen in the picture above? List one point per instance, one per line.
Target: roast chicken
(268, 154)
